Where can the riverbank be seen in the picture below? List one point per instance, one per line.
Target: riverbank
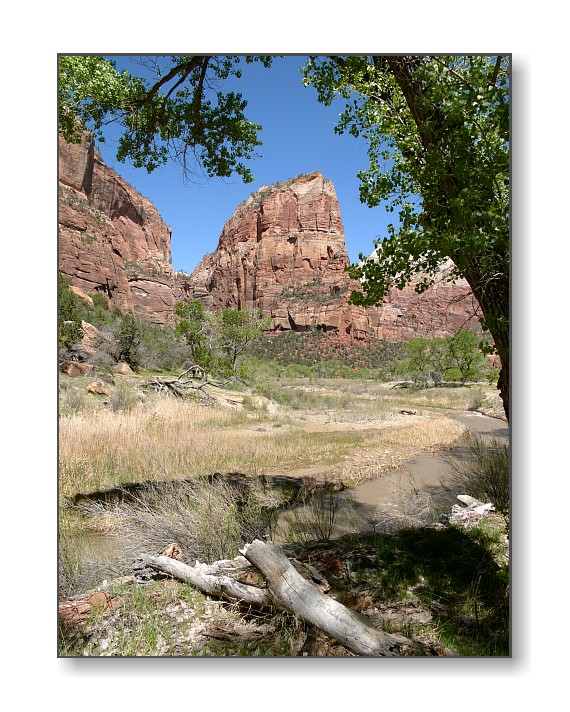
(355, 435)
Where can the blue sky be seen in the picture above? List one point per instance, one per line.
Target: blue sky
(298, 137)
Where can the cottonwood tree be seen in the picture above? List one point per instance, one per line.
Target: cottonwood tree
(416, 362)
(457, 357)
(176, 109)
(465, 357)
(236, 329)
(196, 327)
(438, 138)
(219, 341)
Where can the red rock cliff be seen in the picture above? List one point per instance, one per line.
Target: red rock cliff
(284, 251)
(111, 238)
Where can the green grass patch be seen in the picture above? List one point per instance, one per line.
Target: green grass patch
(455, 572)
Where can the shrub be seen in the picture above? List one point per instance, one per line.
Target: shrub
(314, 520)
(128, 340)
(71, 400)
(68, 315)
(315, 353)
(124, 397)
(484, 472)
(209, 520)
(161, 348)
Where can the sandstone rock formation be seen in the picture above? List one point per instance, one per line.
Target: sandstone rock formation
(111, 238)
(283, 251)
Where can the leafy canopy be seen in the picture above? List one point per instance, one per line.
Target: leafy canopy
(437, 130)
(176, 110)
(219, 341)
(456, 358)
(196, 328)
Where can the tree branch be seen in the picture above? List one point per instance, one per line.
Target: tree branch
(496, 70)
(185, 67)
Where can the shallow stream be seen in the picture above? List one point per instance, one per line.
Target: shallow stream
(420, 483)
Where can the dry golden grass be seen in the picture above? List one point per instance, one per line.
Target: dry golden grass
(167, 439)
(458, 398)
(425, 433)
(176, 440)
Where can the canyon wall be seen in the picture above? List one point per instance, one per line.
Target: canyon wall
(111, 238)
(282, 251)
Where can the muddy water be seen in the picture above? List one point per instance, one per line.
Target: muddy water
(384, 500)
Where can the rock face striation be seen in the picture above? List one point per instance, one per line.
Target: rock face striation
(111, 238)
(283, 251)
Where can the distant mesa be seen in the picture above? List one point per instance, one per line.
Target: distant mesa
(283, 251)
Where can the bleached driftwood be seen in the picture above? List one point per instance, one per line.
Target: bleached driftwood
(473, 510)
(288, 589)
(285, 588)
(212, 579)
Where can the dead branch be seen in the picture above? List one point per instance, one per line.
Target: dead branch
(177, 386)
(212, 579)
(285, 588)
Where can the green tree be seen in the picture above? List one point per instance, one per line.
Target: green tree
(417, 361)
(438, 138)
(236, 328)
(465, 357)
(128, 339)
(196, 328)
(181, 114)
(69, 329)
(439, 359)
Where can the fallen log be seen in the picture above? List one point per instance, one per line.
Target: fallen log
(211, 579)
(290, 590)
(176, 386)
(286, 588)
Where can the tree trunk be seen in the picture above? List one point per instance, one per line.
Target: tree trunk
(490, 287)
(291, 591)
(493, 297)
(286, 588)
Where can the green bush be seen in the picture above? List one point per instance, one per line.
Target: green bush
(124, 397)
(161, 349)
(128, 339)
(68, 315)
(484, 472)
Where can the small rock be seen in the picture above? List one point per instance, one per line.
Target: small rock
(123, 368)
(99, 388)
